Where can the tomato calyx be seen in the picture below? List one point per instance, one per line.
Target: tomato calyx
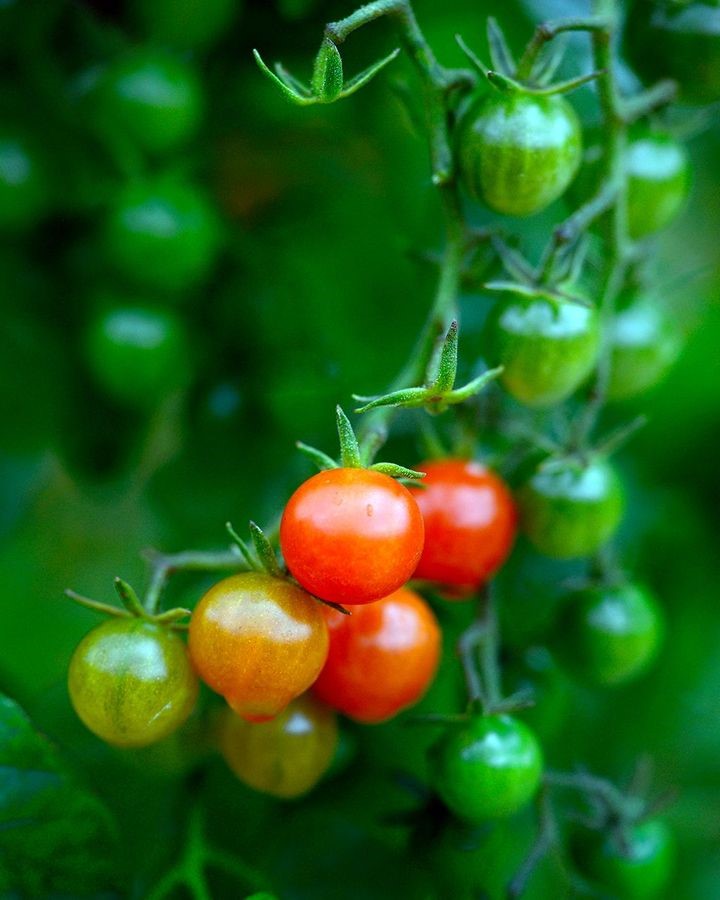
(328, 82)
(439, 391)
(132, 607)
(508, 76)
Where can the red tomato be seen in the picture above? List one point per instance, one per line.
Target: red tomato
(382, 658)
(259, 641)
(470, 524)
(351, 535)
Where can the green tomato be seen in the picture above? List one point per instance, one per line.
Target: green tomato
(657, 169)
(185, 24)
(612, 634)
(644, 872)
(682, 44)
(569, 508)
(547, 348)
(518, 153)
(643, 346)
(151, 97)
(24, 182)
(138, 355)
(131, 682)
(487, 769)
(164, 235)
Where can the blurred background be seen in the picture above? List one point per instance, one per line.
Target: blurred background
(267, 261)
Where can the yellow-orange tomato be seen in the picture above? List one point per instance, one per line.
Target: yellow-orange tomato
(382, 658)
(285, 757)
(259, 641)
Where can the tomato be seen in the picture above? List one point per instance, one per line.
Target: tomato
(657, 169)
(24, 181)
(682, 44)
(382, 658)
(185, 24)
(162, 234)
(547, 348)
(612, 634)
(285, 757)
(151, 97)
(470, 523)
(137, 354)
(489, 768)
(517, 152)
(644, 872)
(351, 535)
(259, 641)
(569, 508)
(644, 345)
(131, 682)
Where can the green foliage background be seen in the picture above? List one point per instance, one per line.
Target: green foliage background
(319, 292)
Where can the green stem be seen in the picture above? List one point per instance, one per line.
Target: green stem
(546, 31)
(163, 565)
(489, 662)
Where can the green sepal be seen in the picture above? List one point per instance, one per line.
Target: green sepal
(444, 378)
(293, 89)
(535, 291)
(350, 456)
(264, 550)
(513, 261)
(327, 77)
(367, 74)
(458, 395)
(395, 471)
(96, 606)
(563, 87)
(500, 54)
(242, 546)
(321, 460)
(172, 616)
(548, 61)
(408, 398)
(129, 598)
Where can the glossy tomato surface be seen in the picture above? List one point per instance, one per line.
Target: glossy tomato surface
(382, 658)
(640, 871)
(517, 152)
(470, 522)
(131, 682)
(489, 768)
(287, 756)
(657, 168)
(259, 641)
(351, 535)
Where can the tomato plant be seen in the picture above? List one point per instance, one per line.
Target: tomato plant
(469, 518)
(351, 535)
(657, 168)
(259, 641)
(285, 757)
(381, 659)
(131, 682)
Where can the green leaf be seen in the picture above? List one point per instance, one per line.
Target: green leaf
(55, 836)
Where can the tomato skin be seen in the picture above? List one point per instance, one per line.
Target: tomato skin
(644, 345)
(162, 234)
(658, 172)
(470, 523)
(612, 634)
(569, 509)
(185, 24)
(518, 153)
(645, 872)
(137, 354)
(259, 641)
(24, 182)
(351, 535)
(131, 682)
(382, 658)
(285, 757)
(151, 97)
(547, 348)
(489, 768)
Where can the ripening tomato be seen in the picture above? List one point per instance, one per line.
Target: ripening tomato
(640, 871)
(382, 658)
(612, 634)
(570, 508)
(470, 523)
(259, 641)
(351, 535)
(519, 152)
(489, 768)
(131, 682)
(547, 347)
(658, 173)
(285, 757)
